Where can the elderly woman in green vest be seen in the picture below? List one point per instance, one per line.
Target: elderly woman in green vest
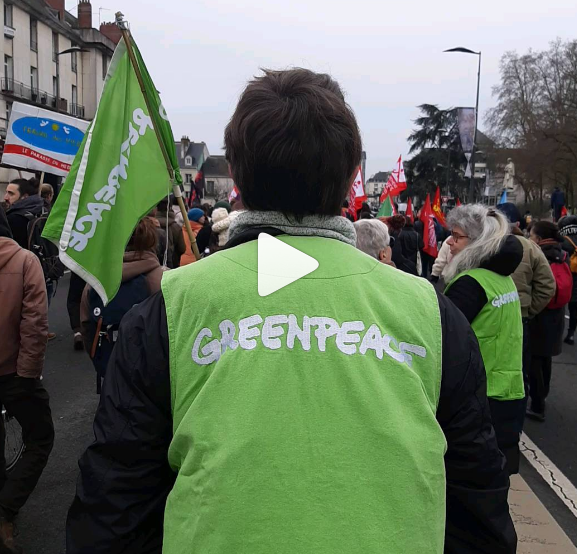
(480, 284)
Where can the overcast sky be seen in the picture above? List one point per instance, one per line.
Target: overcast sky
(387, 56)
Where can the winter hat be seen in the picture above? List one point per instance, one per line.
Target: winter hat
(223, 204)
(568, 226)
(219, 214)
(510, 211)
(195, 214)
(5, 230)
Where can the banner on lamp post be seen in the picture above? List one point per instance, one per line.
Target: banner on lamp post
(467, 122)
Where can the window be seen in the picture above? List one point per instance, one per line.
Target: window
(55, 47)
(55, 87)
(34, 35)
(8, 110)
(104, 66)
(188, 178)
(74, 59)
(210, 187)
(34, 80)
(9, 72)
(74, 95)
(8, 19)
(188, 161)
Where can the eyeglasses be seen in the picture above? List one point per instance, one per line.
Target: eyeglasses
(457, 237)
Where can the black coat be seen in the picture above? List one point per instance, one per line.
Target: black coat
(399, 259)
(411, 243)
(126, 471)
(548, 326)
(20, 214)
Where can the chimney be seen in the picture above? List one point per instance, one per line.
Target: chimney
(184, 144)
(111, 31)
(59, 6)
(85, 14)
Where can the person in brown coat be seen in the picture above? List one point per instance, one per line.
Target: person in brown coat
(24, 325)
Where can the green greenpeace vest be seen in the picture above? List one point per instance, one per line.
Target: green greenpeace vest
(304, 421)
(499, 330)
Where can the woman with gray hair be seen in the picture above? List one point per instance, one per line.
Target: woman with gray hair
(373, 239)
(480, 284)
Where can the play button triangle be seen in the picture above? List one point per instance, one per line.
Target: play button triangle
(280, 265)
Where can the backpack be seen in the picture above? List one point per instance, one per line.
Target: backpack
(564, 281)
(46, 251)
(573, 258)
(104, 322)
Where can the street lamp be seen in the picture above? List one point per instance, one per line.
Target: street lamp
(462, 50)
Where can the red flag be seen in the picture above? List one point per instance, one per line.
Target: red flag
(458, 203)
(234, 194)
(563, 211)
(396, 183)
(437, 208)
(409, 213)
(429, 237)
(357, 195)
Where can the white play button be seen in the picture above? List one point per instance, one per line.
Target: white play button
(280, 265)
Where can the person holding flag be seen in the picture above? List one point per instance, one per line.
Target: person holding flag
(233, 422)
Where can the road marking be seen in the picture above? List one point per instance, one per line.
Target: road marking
(552, 475)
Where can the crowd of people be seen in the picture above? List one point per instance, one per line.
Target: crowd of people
(383, 410)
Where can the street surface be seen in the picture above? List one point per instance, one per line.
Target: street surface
(544, 526)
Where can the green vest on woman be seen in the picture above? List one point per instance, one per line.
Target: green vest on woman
(304, 421)
(499, 330)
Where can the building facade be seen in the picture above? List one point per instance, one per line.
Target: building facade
(52, 59)
(218, 183)
(190, 156)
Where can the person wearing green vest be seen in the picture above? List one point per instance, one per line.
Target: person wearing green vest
(479, 283)
(345, 412)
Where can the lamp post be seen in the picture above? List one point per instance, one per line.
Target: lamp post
(462, 50)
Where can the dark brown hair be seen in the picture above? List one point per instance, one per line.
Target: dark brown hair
(546, 230)
(27, 186)
(144, 237)
(293, 144)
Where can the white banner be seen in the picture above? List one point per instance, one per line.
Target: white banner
(467, 128)
(41, 140)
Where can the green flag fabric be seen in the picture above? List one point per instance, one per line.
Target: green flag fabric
(386, 209)
(117, 177)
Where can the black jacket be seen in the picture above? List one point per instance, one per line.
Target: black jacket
(547, 327)
(411, 242)
(400, 260)
(20, 214)
(125, 477)
(468, 295)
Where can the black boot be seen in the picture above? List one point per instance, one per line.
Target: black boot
(569, 338)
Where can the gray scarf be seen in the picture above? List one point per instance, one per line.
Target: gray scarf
(335, 227)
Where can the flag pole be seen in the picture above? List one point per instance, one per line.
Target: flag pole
(122, 25)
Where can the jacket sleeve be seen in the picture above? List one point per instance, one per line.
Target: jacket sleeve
(478, 519)
(543, 285)
(442, 260)
(125, 477)
(33, 321)
(179, 244)
(468, 295)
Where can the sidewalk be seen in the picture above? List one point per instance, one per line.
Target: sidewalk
(537, 531)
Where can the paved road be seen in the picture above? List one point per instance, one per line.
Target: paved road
(69, 377)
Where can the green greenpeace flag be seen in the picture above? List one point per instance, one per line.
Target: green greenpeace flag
(387, 209)
(117, 177)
